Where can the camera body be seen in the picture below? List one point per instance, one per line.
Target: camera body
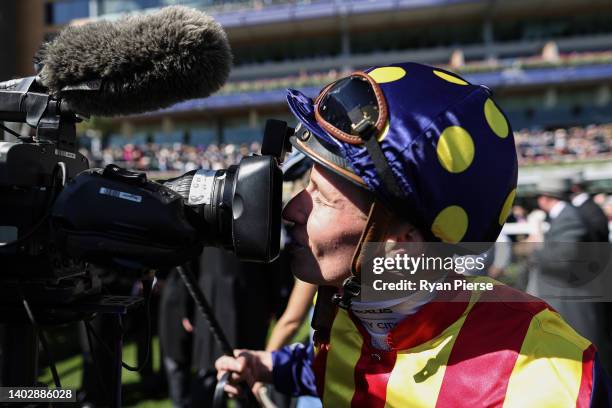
(56, 214)
(32, 173)
(119, 218)
(30, 176)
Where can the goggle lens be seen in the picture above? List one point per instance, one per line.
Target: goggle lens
(347, 102)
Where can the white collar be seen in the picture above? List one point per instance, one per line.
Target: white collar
(556, 210)
(580, 199)
(379, 318)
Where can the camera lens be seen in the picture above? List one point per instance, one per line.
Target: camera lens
(214, 190)
(237, 208)
(210, 193)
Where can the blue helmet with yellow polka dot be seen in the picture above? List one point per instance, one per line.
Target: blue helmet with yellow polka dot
(434, 148)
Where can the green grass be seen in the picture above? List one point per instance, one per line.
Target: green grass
(69, 364)
(303, 333)
(70, 371)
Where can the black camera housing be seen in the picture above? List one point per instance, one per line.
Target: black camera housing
(119, 218)
(57, 218)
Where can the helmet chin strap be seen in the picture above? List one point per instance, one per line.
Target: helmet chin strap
(379, 217)
(328, 298)
(377, 224)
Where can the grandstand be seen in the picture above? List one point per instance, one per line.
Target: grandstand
(548, 62)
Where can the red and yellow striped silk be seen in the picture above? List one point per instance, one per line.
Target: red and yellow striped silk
(478, 353)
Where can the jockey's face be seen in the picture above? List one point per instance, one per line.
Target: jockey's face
(329, 216)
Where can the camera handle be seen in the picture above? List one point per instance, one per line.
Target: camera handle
(217, 332)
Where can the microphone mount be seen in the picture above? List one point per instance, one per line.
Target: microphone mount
(25, 100)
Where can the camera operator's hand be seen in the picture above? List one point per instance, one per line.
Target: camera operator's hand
(248, 365)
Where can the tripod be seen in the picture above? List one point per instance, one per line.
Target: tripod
(19, 345)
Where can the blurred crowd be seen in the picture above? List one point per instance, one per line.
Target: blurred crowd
(533, 147)
(211, 6)
(559, 145)
(172, 157)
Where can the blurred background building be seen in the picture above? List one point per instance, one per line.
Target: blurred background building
(548, 62)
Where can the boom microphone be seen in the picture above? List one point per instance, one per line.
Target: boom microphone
(138, 63)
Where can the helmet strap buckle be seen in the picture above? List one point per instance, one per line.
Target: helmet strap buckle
(351, 289)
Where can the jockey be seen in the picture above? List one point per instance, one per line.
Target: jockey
(406, 154)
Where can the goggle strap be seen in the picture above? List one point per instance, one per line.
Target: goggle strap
(389, 182)
(368, 135)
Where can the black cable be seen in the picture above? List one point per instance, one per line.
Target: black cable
(50, 360)
(206, 310)
(148, 352)
(59, 166)
(28, 234)
(43, 340)
(148, 318)
(91, 329)
(215, 328)
(94, 360)
(11, 131)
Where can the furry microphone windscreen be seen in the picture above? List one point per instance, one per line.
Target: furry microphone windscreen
(139, 63)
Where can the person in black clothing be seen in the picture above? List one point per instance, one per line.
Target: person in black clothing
(592, 214)
(597, 224)
(242, 295)
(176, 339)
(559, 280)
